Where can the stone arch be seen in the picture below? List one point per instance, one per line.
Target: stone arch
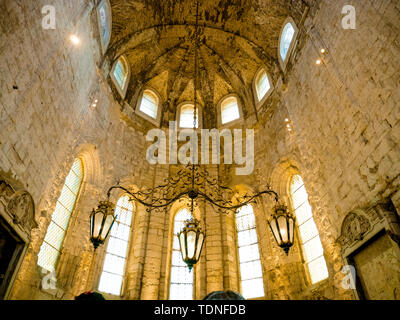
(280, 176)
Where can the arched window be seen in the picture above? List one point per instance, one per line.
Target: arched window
(53, 241)
(249, 254)
(311, 243)
(263, 86)
(229, 110)
(104, 18)
(121, 72)
(181, 286)
(120, 75)
(149, 104)
(186, 117)
(286, 40)
(117, 248)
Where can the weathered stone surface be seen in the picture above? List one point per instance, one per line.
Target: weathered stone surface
(344, 113)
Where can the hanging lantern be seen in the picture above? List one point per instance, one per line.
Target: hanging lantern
(191, 240)
(101, 222)
(282, 227)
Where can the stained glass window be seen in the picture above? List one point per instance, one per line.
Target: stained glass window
(311, 243)
(249, 254)
(286, 40)
(187, 116)
(121, 73)
(114, 264)
(149, 104)
(262, 85)
(229, 110)
(181, 287)
(53, 241)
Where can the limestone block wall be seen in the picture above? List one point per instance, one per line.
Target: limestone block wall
(345, 117)
(46, 121)
(345, 145)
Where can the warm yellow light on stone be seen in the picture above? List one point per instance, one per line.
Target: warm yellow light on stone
(75, 40)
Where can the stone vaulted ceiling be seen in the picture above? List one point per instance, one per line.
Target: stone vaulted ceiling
(237, 38)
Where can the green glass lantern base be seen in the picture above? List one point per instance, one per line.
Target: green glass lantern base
(190, 264)
(96, 243)
(286, 248)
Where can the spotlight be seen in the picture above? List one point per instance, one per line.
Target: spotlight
(286, 120)
(74, 39)
(318, 62)
(323, 50)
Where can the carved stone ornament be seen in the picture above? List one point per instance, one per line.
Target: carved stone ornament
(19, 206)
(354, 227)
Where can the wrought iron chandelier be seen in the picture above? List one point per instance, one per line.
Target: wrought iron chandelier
(192, 184)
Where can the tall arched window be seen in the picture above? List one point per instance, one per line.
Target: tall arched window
(186, 117)
(120, 75)
(249, 254)
(229, 110)
(311, 243)
(149, 104)
(104, 17)
(286, 40)
(263, 86)
(114, 264)
(53, 241)
(181, 286)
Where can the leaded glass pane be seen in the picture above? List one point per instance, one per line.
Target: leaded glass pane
(262, 85)
(312, 247)
(51, 247)
(117, 248)
(181, 282)
(249, 254)
(120, 73)
(286, 40)
(187, 116)
(149, 104)
(229, 110)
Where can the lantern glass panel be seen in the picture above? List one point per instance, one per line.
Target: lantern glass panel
(282, 222)
(275, 231)
(291, 230)
(182, 241)
(199, 245)
(191, 243)
(98, 219)
(107, 225)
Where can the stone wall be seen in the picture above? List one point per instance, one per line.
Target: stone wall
(344, 143)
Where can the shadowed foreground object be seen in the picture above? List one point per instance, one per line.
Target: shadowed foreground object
(77, 118)
(90, 296)
(224, 295)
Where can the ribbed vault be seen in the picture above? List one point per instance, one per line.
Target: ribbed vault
(237, 38)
